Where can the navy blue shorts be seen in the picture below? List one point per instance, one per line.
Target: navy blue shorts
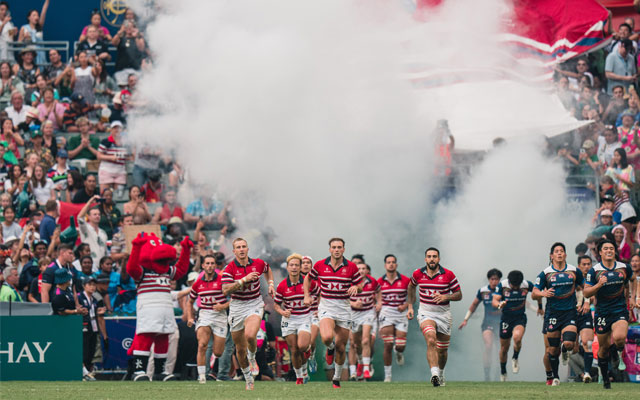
(490, 324)
(584, 321)
(508, 323)
(603, 322)
(558, 320)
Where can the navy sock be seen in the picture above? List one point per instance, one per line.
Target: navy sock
(549, 374)
(516, 353)
(588, 361)
(603, 363)
(555, 362)
(503, 368)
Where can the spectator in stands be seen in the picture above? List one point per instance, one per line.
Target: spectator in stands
(12, 138)
(109, 213)
(86, 270)
(48, 224)
(35, 146)
(77, 109)
(170, 208)
(565, 95)
(11, 184)
(124, 97)
(42, 187)
(4, 165)
(146, 159)
(9, 226)
(607, 144)
(176, 175)
(9, 291)
(83, 78)
(58, 172)
(624, 250)
(90, 190)
(32, 31)
(96, 22)
(7, 32)
(84, 146)
(90, 231)
(41, 85)
(624, 33)
(27, 70)
(131, 48)
(48, 138)
(621, 171)
(51, 109)
(31, 160)
(75, 184)
(211, 211)
(105, 86)
(94, 46)
(137, 207)
(588, 159)
(620, 68)
(10, 84)
(34, 295)
(83, 250)
(112, 154)
(153, 188)
(58, 74)
(32, 268)
(16, 110)
(616, 105)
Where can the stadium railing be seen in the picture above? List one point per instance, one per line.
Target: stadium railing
(61, 45)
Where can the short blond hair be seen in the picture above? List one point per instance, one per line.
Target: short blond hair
(233, 244)
(294, 256)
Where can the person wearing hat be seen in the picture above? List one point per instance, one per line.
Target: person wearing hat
(175, 230)
(112, 154)
(605, 223)
(77, 109)
(620, 67)
(588, 159)
(59, 171)
(27, 70)
(36, 147)
(63, 302)
(92, 324)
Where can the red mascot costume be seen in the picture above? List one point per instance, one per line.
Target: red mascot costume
(150, 266)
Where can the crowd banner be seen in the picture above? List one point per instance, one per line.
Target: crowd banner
(41, 348)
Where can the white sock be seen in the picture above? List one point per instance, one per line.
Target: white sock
(338, 372)
(435, 371)
(305, 370)
(202, 369)
(331, 346)
(387, 370)
(251, 355)
(298, 372)
(441, 373)
(360, 358)
(352, 370)
(366, 361)
(247, 373)
(85, 371)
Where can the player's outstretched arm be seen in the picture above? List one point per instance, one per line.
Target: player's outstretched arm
(470, 311)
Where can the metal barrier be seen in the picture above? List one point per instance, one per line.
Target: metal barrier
(61, 45)
(112, 51)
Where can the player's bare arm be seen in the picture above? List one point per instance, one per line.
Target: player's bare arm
(472, 308)
(590, 291)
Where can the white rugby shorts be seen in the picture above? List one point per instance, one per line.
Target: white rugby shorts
(337, 310)
(155, 318)
(390, 316)
(314, 318)
(240, 310)
(361, 318)
(216, 320)
(442, 319)
(295, 324)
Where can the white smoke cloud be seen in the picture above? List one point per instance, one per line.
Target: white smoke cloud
(295, 110)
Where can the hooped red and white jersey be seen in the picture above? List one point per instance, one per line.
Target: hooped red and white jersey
(394, 294)
(368, 294)
(444, 282)
(315, 295)
(290, 296)
(153, 282)
(335, 283)
(234, 271)
(210, 292)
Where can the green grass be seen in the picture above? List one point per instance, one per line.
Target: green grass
(313, 390)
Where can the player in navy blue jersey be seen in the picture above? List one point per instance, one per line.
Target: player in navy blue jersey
(608, 282)
(559, 283)
(585, 323)
(511, 297)
(491, 321)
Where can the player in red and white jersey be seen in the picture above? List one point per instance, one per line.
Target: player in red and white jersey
(363, 314)
(241, 280)
(296, 317)
(437, 286)
(212, 316)
(339, 279)
(307, 264)
(394, 313)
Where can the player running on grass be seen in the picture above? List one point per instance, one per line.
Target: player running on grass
(241, 280)
(212, 316)
(585, 323)
(491, 321)
(339, 279)
(438, 286)
(296, 317)
(608, 282)
(363, 306)
(394, 313)
(307, 264)
(561, 284)
(511, 298)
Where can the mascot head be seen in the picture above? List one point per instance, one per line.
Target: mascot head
(156, 255)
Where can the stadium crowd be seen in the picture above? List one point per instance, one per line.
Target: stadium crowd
(74, 187)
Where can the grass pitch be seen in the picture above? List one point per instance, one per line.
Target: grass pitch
(313, 390)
